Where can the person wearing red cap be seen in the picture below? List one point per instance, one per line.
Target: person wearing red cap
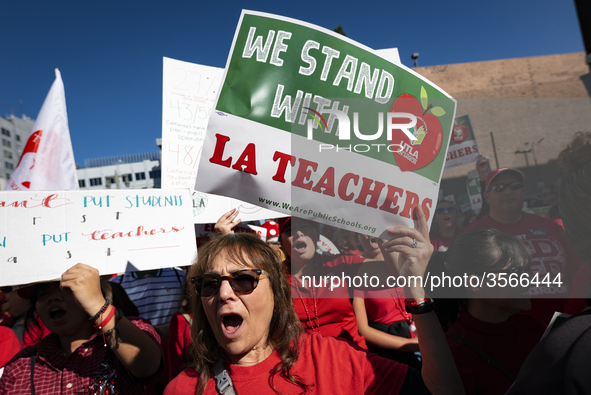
(552, 253)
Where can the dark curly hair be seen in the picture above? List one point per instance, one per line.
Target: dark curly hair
(285, 331)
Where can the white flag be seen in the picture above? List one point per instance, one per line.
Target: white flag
(47, 161)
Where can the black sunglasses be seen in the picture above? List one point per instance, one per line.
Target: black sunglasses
(242, 282)
(441, 210)
(515, 185)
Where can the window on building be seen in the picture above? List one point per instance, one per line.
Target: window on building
(18, 138)
(140, 176)
(7, 154)
(110, 180)
(81, 183)
(126, 178)
(6, 143)
(155, 174)
(6, 132)
(96, 181)
(8, 165)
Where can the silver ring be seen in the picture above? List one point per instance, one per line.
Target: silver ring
(414, 243)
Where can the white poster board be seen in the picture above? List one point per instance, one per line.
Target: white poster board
(188, 94)
(44, 233)
(278, 77)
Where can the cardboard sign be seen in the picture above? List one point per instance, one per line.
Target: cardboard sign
(188, 94)
(462, 145)
(294, 129)
(46, 232)
(464, 202)
(473, 187)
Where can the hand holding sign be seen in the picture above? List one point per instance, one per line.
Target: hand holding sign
(412, 260)
(85, 284)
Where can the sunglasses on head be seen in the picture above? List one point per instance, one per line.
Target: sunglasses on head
(515, 185)
(442, 210)
(242, 282)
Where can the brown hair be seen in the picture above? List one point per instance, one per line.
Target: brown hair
(285, 328)
(574, 192)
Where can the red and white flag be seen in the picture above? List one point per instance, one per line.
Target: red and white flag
(47, 162)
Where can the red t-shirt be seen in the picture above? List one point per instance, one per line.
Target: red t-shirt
(508, 343)
(327, 311)
(330, 365)
(179, 340)
(440, 243)
(9, 345)
(551, 253)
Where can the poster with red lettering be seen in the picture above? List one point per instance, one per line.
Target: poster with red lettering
(44, 233)
(315, 125)
(462, 145)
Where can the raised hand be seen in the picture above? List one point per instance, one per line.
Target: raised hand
(415, 249)
(85, 284)
(227, 222)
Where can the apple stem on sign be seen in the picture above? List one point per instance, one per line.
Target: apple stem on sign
(428, 108)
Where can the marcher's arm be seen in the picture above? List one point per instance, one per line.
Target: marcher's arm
(378, 338)
(439, 371)
(136, 350)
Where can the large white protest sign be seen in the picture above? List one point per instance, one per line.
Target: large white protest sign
(45, 233)
(188, 94)
(272, 139)
(206, 232)
(462, 146)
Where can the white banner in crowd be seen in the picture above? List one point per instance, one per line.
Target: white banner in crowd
(188, 94)
(45, 233)
(462, 145)
(47, 161)
(272, 139)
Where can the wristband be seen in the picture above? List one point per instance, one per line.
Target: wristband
(101, 311)
(423, 307)
(106, 320)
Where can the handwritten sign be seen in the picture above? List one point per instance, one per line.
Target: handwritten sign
(311, 123)
(462, 146)
(44, 233)
(188, 94)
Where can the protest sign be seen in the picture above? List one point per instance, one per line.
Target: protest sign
(464, 202)
(473, 186)
(188, 94)
(45, 233)
(285, 85)
(462, 145)
(206, 232)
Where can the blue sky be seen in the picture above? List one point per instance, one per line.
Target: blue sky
(110, 52)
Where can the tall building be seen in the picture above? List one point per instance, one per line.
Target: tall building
(132, 171)
(14, 134)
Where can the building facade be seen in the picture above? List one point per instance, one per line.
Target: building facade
(134, 171)
(14, 134)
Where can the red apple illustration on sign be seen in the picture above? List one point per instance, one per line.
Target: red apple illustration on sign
(460, 133)
(420, 152)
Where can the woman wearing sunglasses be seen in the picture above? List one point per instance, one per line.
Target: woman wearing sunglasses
(489, 336)
(444, 225)
(249, 340)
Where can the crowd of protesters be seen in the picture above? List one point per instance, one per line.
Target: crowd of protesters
(243, 319)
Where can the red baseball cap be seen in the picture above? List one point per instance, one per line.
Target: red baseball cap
(491, 176)
(283, 222)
